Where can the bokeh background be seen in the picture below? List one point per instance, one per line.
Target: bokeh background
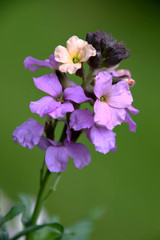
(126, 183)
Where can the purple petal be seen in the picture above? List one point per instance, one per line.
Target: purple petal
(61, 110)
(102, 138)
(113, 73)
(103, 84)
(81, 119)
(120, 96)
(49, 84)
(75, 94)
(103, 114)
(132, 125)
(29, 133)
(56, 158)
(44, 143)
(133, 110)
(44, 106)
(118, 116)
(124, 72)
(33, 64)
(79, 153)
(53, 62)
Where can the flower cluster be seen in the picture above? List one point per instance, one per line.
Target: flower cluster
(106, 91)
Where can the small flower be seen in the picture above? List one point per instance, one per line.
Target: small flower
(100, 136)
(124, 75)
(77, 51)
(57, 154)
(28, 134)
(59, 107)
(112, 100)
(111, 51)
(33, 64)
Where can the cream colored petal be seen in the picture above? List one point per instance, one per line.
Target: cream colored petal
(74, 45)
(61, 55)
(70, 67)
(87, 52)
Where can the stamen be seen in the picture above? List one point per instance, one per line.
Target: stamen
(103, 98)
(75, 60)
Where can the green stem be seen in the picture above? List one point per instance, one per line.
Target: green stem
(39, 201)
(53, 188)
(40, 197)
(88, 78)
(42, 171)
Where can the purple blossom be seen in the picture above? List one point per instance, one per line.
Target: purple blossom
(112, 100)
(57, 153)
(59, 107)
(100, 136)
(57, 156)
(132, 125)
(28, 134)
(34, 64)
(122, 74)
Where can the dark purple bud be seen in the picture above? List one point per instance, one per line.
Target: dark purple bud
(111, 51)
(80, 72)
(95, 61)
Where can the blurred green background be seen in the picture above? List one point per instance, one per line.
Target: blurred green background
(126, 183)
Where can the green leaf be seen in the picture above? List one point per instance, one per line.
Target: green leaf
(25, 200)
(79, 231)
(4, 236)
(83, 229)
(57, 228)
(13, 212)
(46, 233)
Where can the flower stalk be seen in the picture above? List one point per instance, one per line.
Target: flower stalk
(105, 89)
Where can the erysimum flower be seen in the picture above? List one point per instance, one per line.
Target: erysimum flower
(33, 64)
(124, 75)
(100, 136)
(59, 107)
(30, 133)
(77, 51)
(57, 154)
(112, 100)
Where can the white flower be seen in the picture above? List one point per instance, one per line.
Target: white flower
(77, 51)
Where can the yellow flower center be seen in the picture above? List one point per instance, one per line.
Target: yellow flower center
(103, 99)
(75, 60)
(60, 99)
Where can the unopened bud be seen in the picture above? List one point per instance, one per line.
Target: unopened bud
(130, 81)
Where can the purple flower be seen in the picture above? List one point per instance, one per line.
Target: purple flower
(112, 100)
(100, 136)
(122, 74)
(59, 107)
(28, 134)
(33, 64)
(132, 125)
(57, 154)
